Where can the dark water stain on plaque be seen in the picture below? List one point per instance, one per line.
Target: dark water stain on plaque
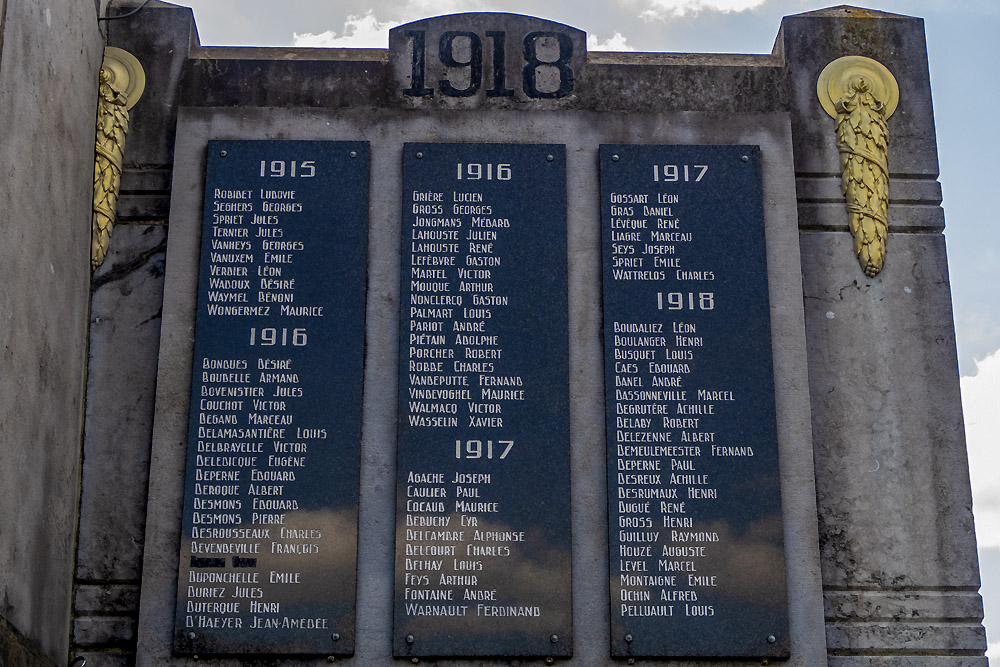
(269, 535)
(483, 496)
(696, 536)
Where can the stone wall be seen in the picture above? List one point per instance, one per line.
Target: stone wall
(890, 521)
(50, 54)
(896, 533)
(127, 292)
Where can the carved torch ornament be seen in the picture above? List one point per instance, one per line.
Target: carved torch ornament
(861, 94)
(122, 81)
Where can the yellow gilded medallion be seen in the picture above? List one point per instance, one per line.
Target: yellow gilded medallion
(121, 83)
(861, 94)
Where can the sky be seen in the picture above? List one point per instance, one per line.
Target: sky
(964, 83)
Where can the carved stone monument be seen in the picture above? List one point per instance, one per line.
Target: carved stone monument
(486, 348)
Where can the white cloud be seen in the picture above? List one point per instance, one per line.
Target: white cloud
(360, 32)
(616, 42)
(419, 9)
(980, 402)
(666, 9)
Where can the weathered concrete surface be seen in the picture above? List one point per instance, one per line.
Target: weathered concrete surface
(51, 54)
(582, 132)
(124, 339)
(159, 36)
(887, 467)
(100, 598)
(107, 658)
(896, 531)
(896, 521)
(810, 41)
(16, 650)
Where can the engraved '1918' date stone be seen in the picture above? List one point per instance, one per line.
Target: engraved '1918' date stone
(269, 531)
(482, 511)
(485, 58)
(696, 537)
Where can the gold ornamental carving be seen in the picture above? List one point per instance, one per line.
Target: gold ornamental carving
(122, 81)
(861, 94)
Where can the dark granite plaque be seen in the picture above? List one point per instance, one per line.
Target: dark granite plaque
(269, 538)
(483, 496)
(696, 537)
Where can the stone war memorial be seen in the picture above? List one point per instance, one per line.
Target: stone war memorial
(477, 349)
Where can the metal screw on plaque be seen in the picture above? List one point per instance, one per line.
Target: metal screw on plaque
(628, 637)
(354, 153)
(554, 639)
(420, 155)
(550, 158)
(745, 158)
(409, 639)
(335, 636)
(771, 639)
(191, 635)
(223, 153)
(615, 158)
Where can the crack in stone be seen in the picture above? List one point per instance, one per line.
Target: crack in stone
(120, 271)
